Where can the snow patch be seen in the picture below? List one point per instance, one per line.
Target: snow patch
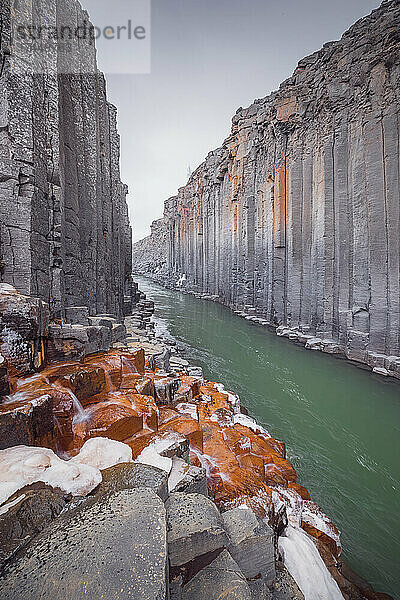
(304, 563)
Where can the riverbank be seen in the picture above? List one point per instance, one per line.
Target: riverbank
(378, 363)
(167, 416)
(340, 422)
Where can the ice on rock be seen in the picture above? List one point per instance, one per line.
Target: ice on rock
(102, 453)
(24, 465)
(250, 423)
(150, 456)
(306, 566)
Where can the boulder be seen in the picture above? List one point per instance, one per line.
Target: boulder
(130, 476)
(26, 422)
(23, 329)
(26, 515)
(77, 315)
(165, 388)
(73, 342)
(222, 578)
(251, 543)
(4, 382)
(187, 478)
(116, 550)
(196, 533)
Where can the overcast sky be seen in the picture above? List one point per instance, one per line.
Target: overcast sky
(208, 58)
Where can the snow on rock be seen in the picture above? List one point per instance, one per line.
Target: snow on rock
(150, 456)
(249, 422)
(24, 465)
(178, 472)
(102, 453)
(304, 563)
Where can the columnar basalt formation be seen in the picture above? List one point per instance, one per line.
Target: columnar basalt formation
(64, 229)
(116, 407)
(150, 254)
(295, 219)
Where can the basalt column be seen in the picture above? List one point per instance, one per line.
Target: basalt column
(296, 217)
(64, 228)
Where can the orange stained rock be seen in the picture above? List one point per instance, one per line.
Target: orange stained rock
(255, 464)
(322, 537)
(165, 414)
(142, 384)
(280, 205)
(111, 363)
(260, 443)
(146, 406)
(109, 419)
(189, 388)
(187, 427)
(302, 491)
(140, 441)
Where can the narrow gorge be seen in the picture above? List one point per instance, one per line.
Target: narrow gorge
(294, 220)
(126, 469)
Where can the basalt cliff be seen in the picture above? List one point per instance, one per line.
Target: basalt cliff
(294, 221)
(64, 229)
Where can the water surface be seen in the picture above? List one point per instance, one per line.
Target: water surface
(341, 424)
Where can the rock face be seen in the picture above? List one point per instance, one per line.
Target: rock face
(64, 230)
(295, 219)
(150, 254)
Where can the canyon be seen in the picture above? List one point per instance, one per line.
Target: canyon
(124, 471)
(294, 220)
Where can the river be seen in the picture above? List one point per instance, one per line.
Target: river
(341, 423)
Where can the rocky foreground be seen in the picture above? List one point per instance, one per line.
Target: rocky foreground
(125, 474)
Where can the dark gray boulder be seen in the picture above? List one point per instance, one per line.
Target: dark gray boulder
(117, 549)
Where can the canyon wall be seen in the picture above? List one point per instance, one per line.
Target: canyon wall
(150, 254)
(295, 218)
(64, 229)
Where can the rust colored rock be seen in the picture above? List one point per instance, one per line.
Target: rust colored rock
(254, 464)
(139, 441)
(25, 422)
(322, 537)
(23, 331)
(111, 364)
(189, 388)
(165, 414)
(111, 420)
(302, 491)
(187, 427)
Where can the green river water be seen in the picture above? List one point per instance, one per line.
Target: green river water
(341, 424)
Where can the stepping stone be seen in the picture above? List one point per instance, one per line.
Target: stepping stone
(195, 528)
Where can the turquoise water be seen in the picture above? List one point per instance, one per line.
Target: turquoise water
(341, 424)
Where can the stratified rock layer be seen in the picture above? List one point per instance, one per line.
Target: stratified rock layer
(64, 227)
(295, 218)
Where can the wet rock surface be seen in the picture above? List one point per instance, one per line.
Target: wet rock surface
(24, 516)
(120, 552)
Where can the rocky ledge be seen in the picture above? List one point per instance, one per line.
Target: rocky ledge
(129, 458)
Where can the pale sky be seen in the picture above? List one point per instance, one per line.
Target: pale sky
(208, 58)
